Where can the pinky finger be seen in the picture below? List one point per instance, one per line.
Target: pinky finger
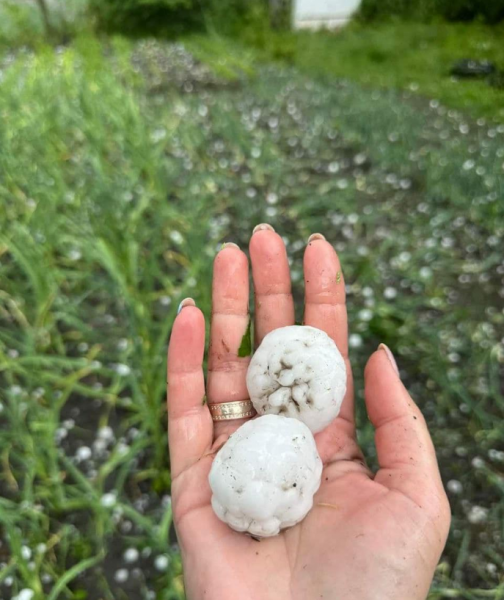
(189, 422)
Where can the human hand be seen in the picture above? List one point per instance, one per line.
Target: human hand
(368, 536)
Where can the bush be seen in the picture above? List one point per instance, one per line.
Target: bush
(491, 11)
(138, 16)
(382, 9)
(178, 16)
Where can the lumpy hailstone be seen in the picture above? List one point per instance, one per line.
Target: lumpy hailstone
(298, 372)
(264, 477)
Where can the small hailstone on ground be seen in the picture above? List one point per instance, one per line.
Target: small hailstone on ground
(126, 526)
(106, 433)
(26, 552)
(108, 500)
(365, 314)
(477, 515)
(122, 448)
(265, 476)
(83, 453)
(123, 370)
(41, 548)
(298, 372)
(122, 344)
(25, 594)
(121, 575)
(454, 486)
(477, 462)
(161, 562)
(100, 447)
(355, 340)
(131, 555)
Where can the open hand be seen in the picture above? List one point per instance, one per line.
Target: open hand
(368, 536)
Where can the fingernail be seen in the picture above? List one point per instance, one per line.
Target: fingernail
(229, 245)
(315, 236)
(185, 302)
(390, 356)
(262, 227)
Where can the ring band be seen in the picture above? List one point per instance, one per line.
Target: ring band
(227, 411)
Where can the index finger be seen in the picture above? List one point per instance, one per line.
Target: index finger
(189, 421)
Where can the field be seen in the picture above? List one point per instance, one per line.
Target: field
(123, 168)
(416, 57)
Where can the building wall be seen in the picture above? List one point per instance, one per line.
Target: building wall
(314, 14)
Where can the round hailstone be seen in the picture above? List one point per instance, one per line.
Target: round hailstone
(298, 372)
(265, 476)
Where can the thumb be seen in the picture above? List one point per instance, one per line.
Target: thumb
(404, 447)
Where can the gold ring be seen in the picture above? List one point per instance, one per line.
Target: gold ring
(227, 411)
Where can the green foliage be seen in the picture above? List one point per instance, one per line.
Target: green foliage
(23, 24)
(19, 24)
(179, 16)
(234, 17)
(455, 10)
(154, 16)
(221, 55)
(245, 348)
(388, 9)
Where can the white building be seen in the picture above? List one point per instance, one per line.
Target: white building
(317, 14)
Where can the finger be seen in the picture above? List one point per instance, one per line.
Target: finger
(274, 306)
(230, 319)
(325, 306)
(405, 451)
(189, 420)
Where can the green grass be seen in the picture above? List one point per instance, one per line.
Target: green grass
(123, 167)
(405, 55)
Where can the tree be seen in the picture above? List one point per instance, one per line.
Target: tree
(44, 10)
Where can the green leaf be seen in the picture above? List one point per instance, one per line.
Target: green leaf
(246, 342)
(74, 572)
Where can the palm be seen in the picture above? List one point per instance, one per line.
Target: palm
(361, 539)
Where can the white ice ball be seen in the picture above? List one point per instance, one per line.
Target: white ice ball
(265, 476)
(298, 372)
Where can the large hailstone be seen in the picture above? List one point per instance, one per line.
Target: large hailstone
(298, 372)
(264, 477)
